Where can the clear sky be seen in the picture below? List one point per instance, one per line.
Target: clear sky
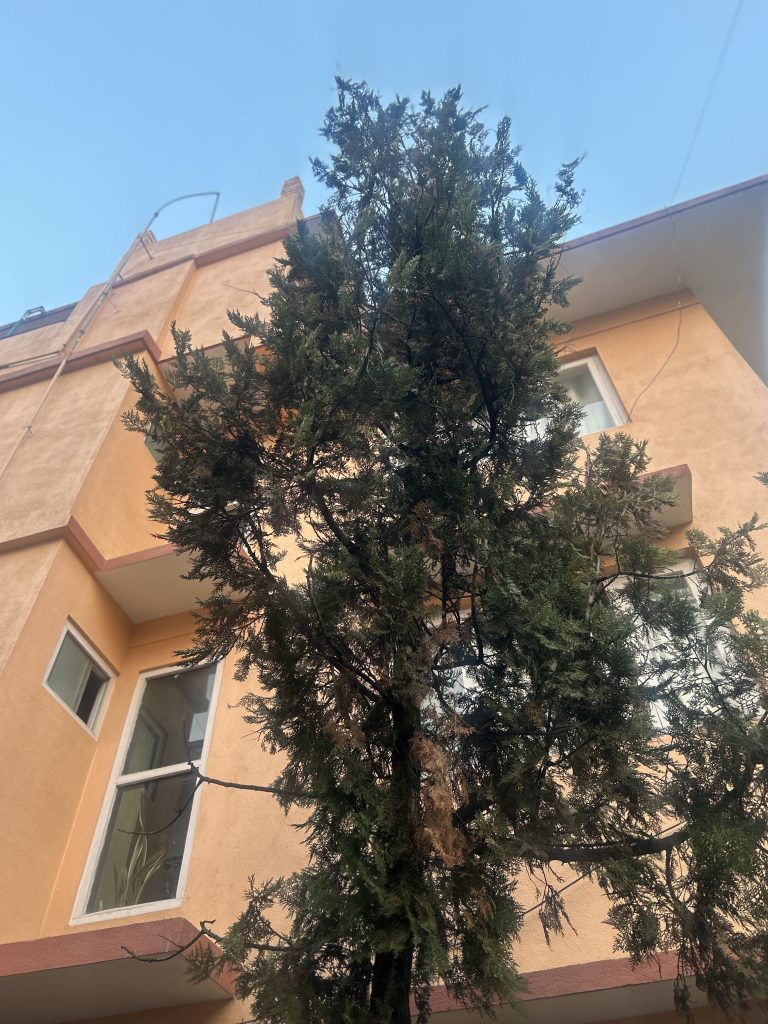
(110, 108)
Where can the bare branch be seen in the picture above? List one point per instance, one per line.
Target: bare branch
(158, 958)
(204, 932)
(200, 779)
(252, 787)
(174, 819)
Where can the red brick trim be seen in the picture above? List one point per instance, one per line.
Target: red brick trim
(674, 472)
(130, 344)
(82, 545)
(169, 361)
(229, 249)
(149, 938)
(80, 542)
(30, 540)
(577, 979)
(137, 556)
(104, 945)
(223, 252)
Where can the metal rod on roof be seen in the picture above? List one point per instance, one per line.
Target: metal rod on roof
(178, 199)
(26, 315)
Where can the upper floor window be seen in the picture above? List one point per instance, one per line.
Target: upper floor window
(590, 386)
(78, 678)
(155, 446)
(681, 652)
(143, 846)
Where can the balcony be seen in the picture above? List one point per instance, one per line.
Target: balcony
(91, 974)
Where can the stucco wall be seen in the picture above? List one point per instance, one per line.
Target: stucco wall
(47, 754)
(22, 574)
(145, 304)
(111, 504)
(234, 283)
(41, 484)
(706, 408)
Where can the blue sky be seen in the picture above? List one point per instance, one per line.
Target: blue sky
(111, 108)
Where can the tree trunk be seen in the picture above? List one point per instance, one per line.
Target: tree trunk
(391, 988)
(391, 983)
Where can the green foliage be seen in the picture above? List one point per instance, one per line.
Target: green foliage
(473, 667)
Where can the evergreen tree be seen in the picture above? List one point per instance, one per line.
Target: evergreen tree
(482, 665)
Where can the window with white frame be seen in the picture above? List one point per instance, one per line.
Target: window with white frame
(144, 843)
(78, 678)
(661, 656)
(590, 386)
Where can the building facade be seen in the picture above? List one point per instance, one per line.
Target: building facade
(668, 343)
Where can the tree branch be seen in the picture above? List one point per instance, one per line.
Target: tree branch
(204, 932)
(294, 794)
(174, 819)
(599, 853)
(159, 958)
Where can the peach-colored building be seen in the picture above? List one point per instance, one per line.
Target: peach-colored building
(669, 342)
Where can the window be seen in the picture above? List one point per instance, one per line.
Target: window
(687, 660)
(144, 844)
(78, 679)
(590, 386)
(155, 446)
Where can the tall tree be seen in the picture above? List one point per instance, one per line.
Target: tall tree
(476, 670)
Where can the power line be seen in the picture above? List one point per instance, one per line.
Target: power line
(676, 342)
(708, 97)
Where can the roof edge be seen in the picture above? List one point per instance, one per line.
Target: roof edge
(667, 211)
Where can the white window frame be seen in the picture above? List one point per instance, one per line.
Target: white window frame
(154, 447)
(688, 571)
(604, 385)
(119, 780)
(97, 715)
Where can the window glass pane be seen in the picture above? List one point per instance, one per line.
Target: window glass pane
(90, 700)
(170, 727)
(672, 585)
(143, 868)
(582, 389)
(659, 639)
(155, 446)
(77, 679)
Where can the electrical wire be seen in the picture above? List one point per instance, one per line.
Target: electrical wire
(678, 332)
(676, 189)
(658, 373)
(707, 99)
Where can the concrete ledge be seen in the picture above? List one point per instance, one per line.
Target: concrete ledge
(108, 350)
(94, 973)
